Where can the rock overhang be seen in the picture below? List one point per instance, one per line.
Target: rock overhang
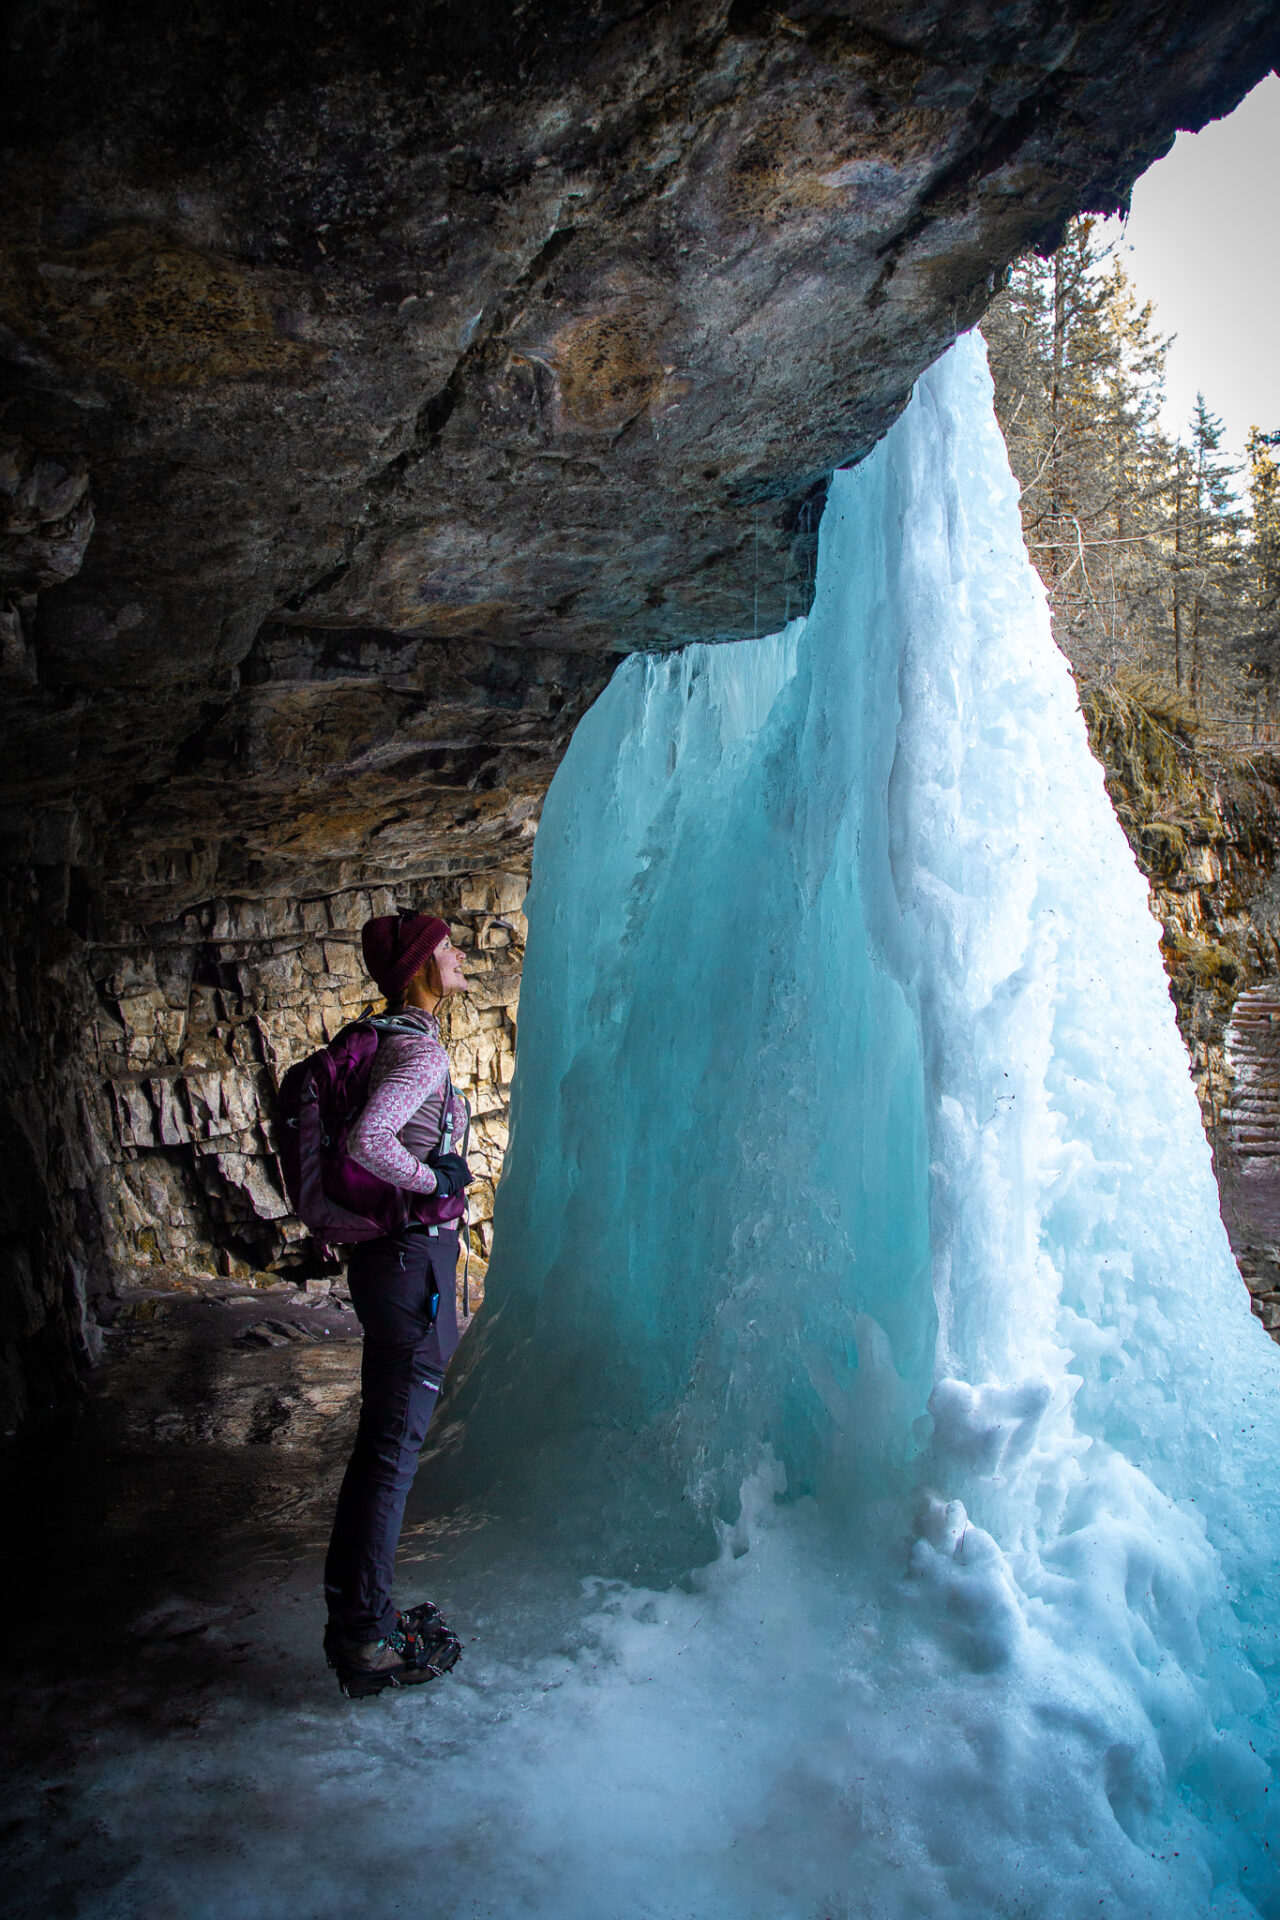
(414, 363)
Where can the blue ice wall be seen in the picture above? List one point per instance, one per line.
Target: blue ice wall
(716, 1214)
(856, 1163)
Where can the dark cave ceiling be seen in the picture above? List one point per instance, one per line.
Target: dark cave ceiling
(374, 377)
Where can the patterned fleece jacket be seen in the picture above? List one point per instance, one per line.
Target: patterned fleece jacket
(401, 1122)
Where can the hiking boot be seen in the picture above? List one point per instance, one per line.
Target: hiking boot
(419, 1647)
(426, 1620)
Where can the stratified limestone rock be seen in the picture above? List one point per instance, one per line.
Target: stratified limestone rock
(192, 1180)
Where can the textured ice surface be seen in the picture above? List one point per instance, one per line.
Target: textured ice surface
(859, 1256)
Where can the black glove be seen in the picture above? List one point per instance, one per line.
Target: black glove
(452, 1174)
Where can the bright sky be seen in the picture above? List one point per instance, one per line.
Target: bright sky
(1203, 242)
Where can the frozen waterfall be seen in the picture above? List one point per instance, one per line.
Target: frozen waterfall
(869, 1457)
(856, 1154)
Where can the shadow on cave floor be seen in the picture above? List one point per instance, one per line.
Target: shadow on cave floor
(165, 1533)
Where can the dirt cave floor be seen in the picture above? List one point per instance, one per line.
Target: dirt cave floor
(166, 1539)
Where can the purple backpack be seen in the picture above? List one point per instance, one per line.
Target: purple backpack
(335, 1198)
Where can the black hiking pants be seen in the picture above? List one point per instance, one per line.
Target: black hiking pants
(403, 1288)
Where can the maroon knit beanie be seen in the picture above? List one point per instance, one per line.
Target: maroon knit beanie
(395, 945)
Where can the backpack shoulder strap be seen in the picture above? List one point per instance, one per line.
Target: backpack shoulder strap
(447, 1142)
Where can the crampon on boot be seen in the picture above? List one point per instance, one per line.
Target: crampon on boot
(419, 1647)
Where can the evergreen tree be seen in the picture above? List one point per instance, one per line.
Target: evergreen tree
(1149, 563)
(1207, 573)
(1261, 640)
(1079, 368)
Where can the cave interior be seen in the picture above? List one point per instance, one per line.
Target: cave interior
(369, 389)
(373, 382)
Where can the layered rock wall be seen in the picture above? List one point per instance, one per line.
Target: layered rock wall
(1204, 824)
(144, 1139)
(55, 1149)
(196, 1030)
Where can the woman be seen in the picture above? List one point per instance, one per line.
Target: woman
(403, 1289)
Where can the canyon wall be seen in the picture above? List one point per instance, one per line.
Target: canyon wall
(1203, 820)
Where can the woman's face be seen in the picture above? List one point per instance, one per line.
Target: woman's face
(445, 971)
